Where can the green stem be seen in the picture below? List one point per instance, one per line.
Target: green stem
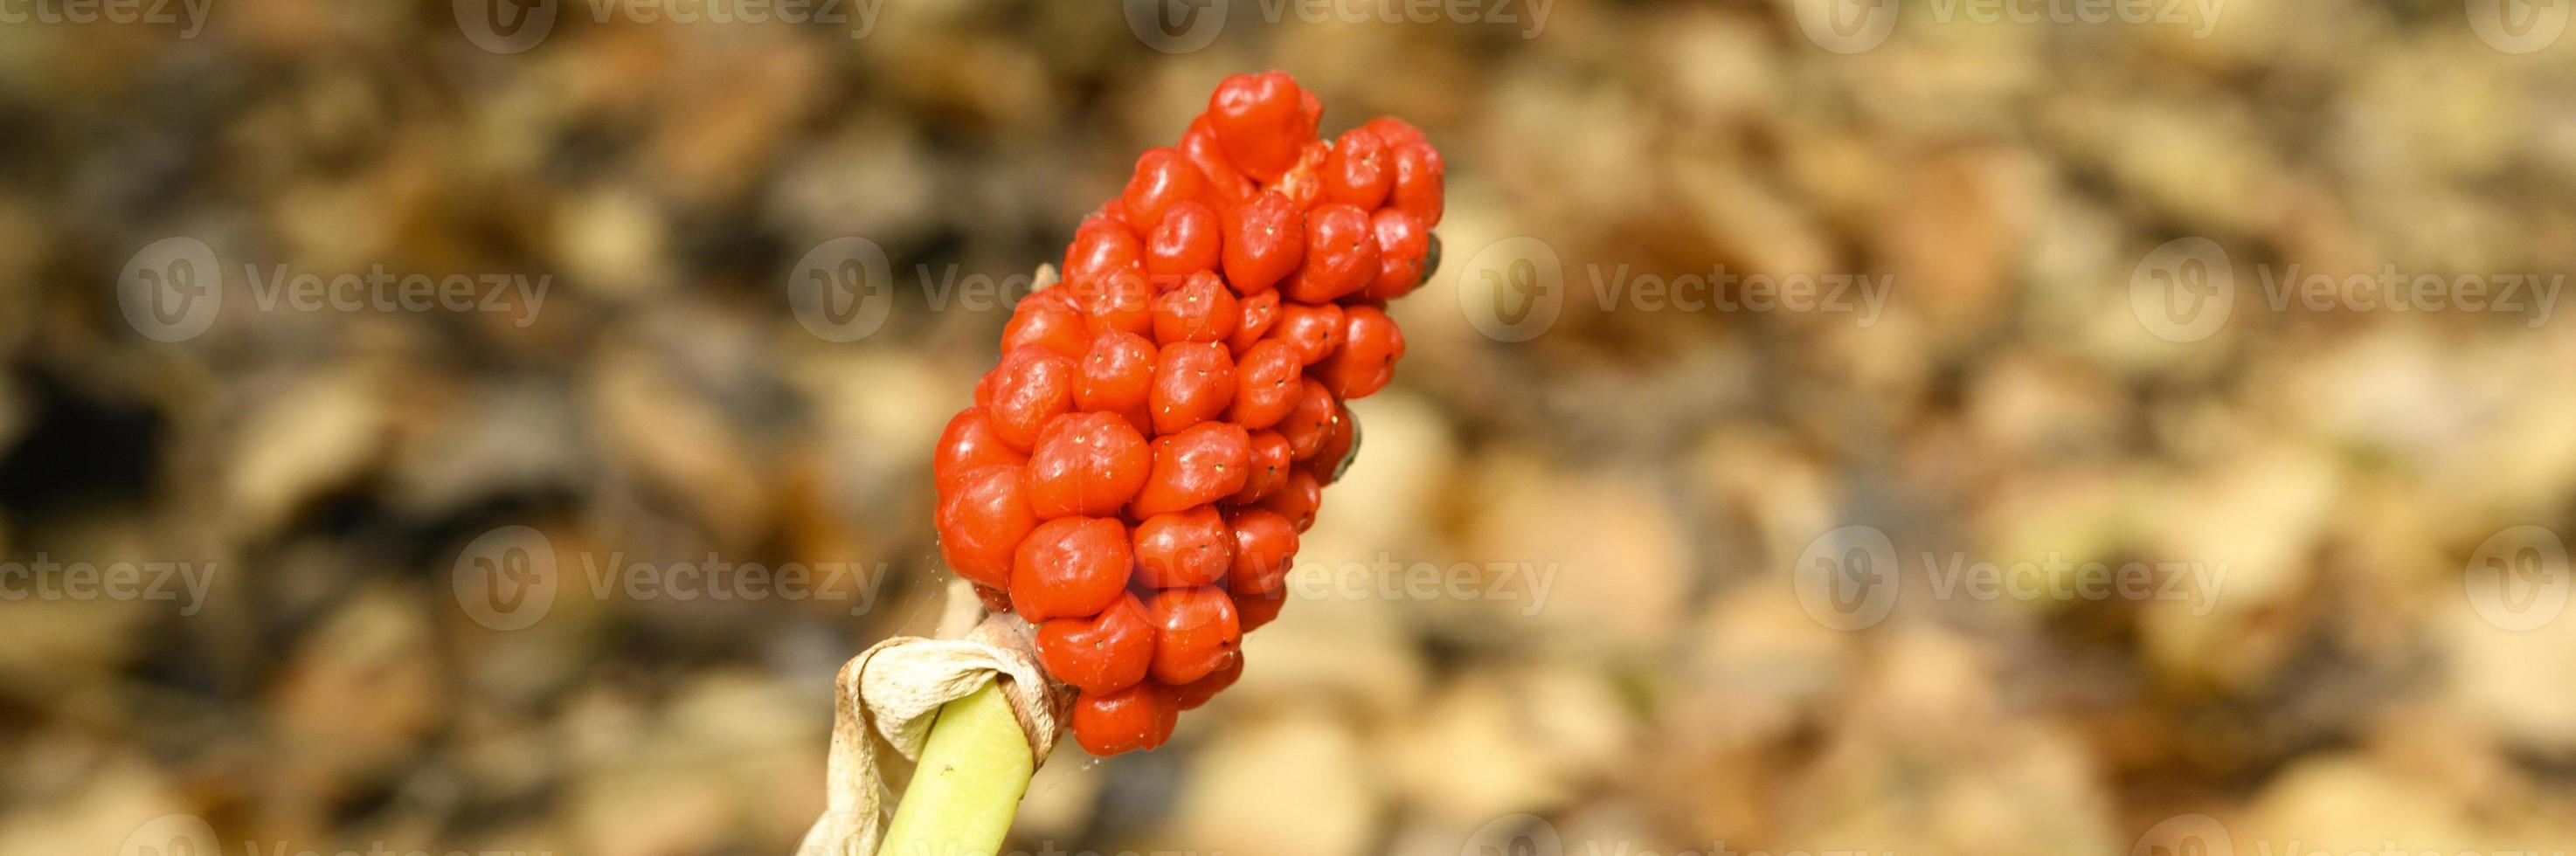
(968, 785)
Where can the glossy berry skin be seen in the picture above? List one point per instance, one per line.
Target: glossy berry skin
(1199, 465)
(1163, 178)
(1334, 454)
(1069, 566)
(1418, 177)
(1252, 611)
(1183, 548)
(1087, 465)
(1403, 249)
(1032, 386)
(1340, 256)
(1297, 500)
(1186, 242)
(1202, 309)
(1195, 693)
(1100, 245)
(1138, 718)
(1264, 546)
(1193, 382)
(1047, 325)
(1270, 462)
(1100, 654)
(1309, 420)
(1315, 330)
(968, 443)
(1366, 360)
(1265, 238)
(1261, 121)
(983, 522)
(1226, 185)
(1267, 381)
(1259, 312)
(1117, 376)
(1195, 633)
(1303, 184)
(1357, 172)
(1121, 300)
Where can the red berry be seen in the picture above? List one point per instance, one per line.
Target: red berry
(1403, 246)
(1164, 177)
(1183, 548)
(1100, 245)
(1087, 464)
(1264, 240)
(1418, 170)
(1303, 184)
(1195, 693)
(1138, 717)
(1264, 546)
(1117, 376)
(1202, 464)
(1261, 120)
(1226, 186)
(967, 443)
(1259, 312)
(1356, 173)
(1055, 328)
(1270, 462)
(1121, 299)
(1267, 382)
(1254, 611)
(1314, 329)
(1341, 255)
(1195, 633)
(1366, 360)
(1200, 310)
(1187, 242)
(1193, 382)
(995, 600)
(1069, 566)
(1309, 419)
(1101, 654)
(1396, 132)
(1032, 386)
(1297, 500)
(983, 522)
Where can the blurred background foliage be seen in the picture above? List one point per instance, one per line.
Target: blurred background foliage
(1662, 470)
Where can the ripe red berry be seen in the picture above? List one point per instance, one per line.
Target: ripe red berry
(1264, 546)
(1259, 312)
(1356, 173)
(1121, 299)
(1201, 464)
(1315, 330)
(1334, 453)
(1396, 132)
(1195, 693)
(1270, 463)
(982, 523)
(1200, 310)
(1193, 382)
(967, 443)
(1226, 186)
(1303, 183)
(1103, 653)
(1195, 633)
(1307, 421)
(1047, 325)
(1261, 120)
(1418, 175)
(1403, 248)
(1265, 238)
(1164, 177)
(1297, 500)
(1086, 464)
(1267, 381)
(1031, 386)
(1252, 611)
(1186, 242)
(1366, 360)
(1069, 566)
(1138, 717)
(1341, 255)
(1100, 245)
(1117, 376)
(1183, 548)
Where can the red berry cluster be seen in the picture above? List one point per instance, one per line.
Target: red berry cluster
(1135, 471)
